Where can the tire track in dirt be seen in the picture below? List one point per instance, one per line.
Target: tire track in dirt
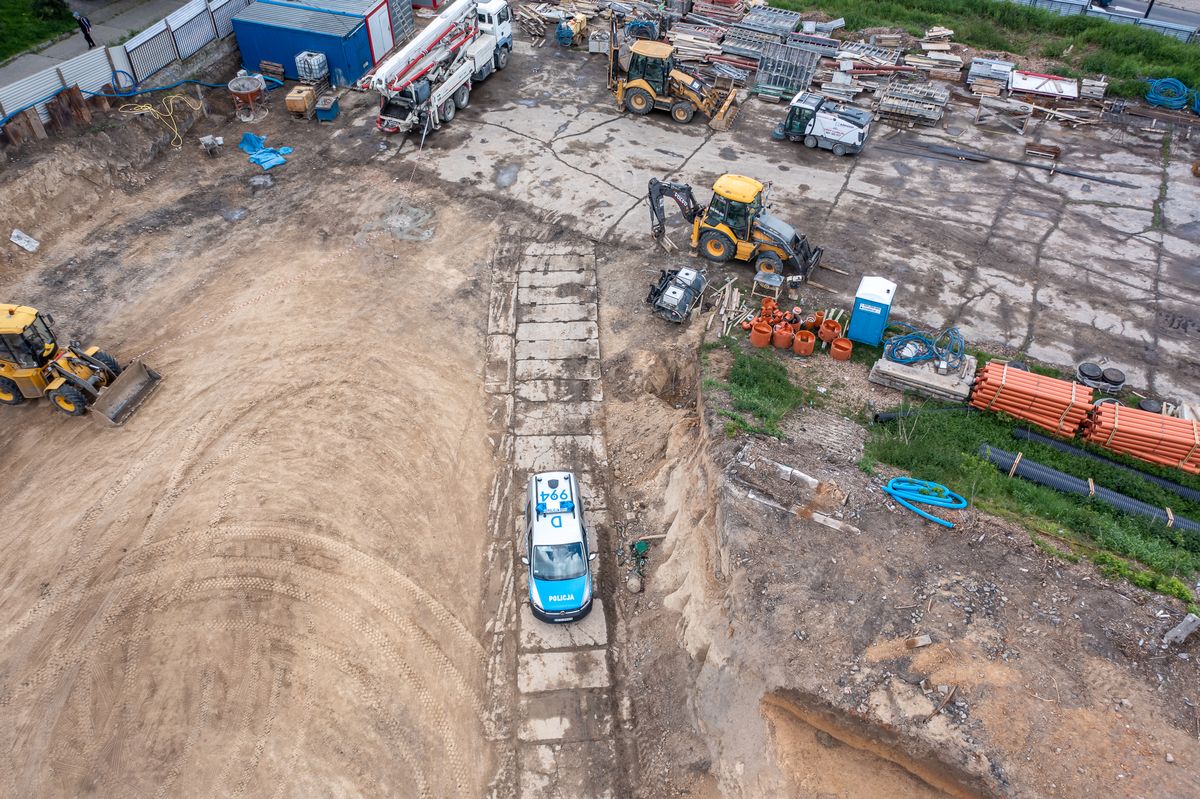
(432, 709)
(246, 690)
(201, 721)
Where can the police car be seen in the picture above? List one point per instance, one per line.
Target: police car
(560, 574)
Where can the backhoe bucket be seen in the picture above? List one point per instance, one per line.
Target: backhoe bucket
(723, 119)
(119, 399)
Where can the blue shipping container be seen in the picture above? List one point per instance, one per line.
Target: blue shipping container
(268, 32)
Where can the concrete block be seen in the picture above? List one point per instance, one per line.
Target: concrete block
(582, 279)
(576, 368)
(565, 716)
(556, 331)
(567, 770)
(539, 636)
(551, 350)
(560, 391)
(550, 418)
(560, 671)
(502, 317)
(548, 453)
(556, 295)
(559, 312)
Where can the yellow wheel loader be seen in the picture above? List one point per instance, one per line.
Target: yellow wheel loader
(76, 379)
(735, 224)
(644, 77)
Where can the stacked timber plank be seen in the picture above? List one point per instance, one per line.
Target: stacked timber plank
(891, 41)
(695, 42)
(1093, 89)
(938, 34)
(988, 77)
(720, 11)
(1059, 406)
(914, 103)
(1150, 437)
(921, 378)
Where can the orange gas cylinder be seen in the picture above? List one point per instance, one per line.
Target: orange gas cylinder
(818, 319)
(804, 343)
(841, 348)
(760, 334)
(829, 330)
(810, 322)
(783, 336)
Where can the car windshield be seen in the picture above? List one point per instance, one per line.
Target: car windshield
(559, 562)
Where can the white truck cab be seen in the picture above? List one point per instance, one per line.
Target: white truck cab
(820, 122)
(426, 82)
(556, 546)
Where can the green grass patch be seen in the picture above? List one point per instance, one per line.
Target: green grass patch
(27, 23)
(1087, 45)
(760, 391)
(943, 447)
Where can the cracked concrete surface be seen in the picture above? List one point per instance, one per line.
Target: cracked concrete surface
(1055, 267)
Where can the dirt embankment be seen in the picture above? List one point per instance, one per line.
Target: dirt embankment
(791, 636)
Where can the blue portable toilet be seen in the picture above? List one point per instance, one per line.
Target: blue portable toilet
(276, 32)
(872, 305)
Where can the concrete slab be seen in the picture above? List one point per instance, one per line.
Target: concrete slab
(552, 349)
(557, 331)
(554, 279)
(498, 364)
(550, 418)
(580, 368)
(560, 390)
(547, 453)
(560, 249)
(502, 316)
(541, 295)
(568, 770)
(559, 671)
(569, 262)
(565, 716)
(539, 636)
(560, 312)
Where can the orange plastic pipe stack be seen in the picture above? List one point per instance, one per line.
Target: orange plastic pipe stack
(1150, 437)
(1059, 406)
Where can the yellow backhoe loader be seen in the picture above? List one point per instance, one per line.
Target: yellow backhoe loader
(735, 224)
(644, 76)
(76, 379)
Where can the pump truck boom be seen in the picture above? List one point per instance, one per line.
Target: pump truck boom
(423, 84)
(735, 224)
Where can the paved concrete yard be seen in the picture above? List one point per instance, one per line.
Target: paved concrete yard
(1060, 268)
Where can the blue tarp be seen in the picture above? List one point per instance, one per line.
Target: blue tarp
(264, 156)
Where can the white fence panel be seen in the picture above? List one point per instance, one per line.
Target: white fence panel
(89, 71)
(120, 62)
(151, 50)
(223, 13)
(192, 27)
(38, 86)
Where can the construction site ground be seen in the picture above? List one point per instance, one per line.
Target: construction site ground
(295, 571)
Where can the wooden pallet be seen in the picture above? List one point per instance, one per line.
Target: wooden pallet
(271, 69)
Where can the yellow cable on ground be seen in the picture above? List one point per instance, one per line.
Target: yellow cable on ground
(166, 115)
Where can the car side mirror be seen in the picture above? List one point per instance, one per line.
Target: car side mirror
(525, 560)
(591, 556)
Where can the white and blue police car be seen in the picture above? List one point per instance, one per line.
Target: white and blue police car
(560, 573)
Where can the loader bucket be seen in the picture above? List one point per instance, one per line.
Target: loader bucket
(723, 119)
(119, 399)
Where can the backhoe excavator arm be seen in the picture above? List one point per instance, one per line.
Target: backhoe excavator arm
(681, 193)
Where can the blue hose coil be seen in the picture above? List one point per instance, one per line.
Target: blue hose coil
(909, 490)
(1168, 93)
(913, 346)
(133, 92)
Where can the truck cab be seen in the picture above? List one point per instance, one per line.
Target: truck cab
(495, 21)
(556, 546)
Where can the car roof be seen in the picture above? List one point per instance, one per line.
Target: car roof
(556, 525)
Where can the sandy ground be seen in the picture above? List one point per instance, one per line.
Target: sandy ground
(266, 583)
(272, 580)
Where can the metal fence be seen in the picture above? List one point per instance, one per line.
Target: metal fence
(1064, 8)
(1068, 8)
(181, 35)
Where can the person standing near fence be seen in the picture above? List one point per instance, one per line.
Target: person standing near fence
(85, 25)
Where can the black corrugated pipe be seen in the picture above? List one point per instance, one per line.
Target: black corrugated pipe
(891, 416)
(1190, 494)
(1044, 475)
